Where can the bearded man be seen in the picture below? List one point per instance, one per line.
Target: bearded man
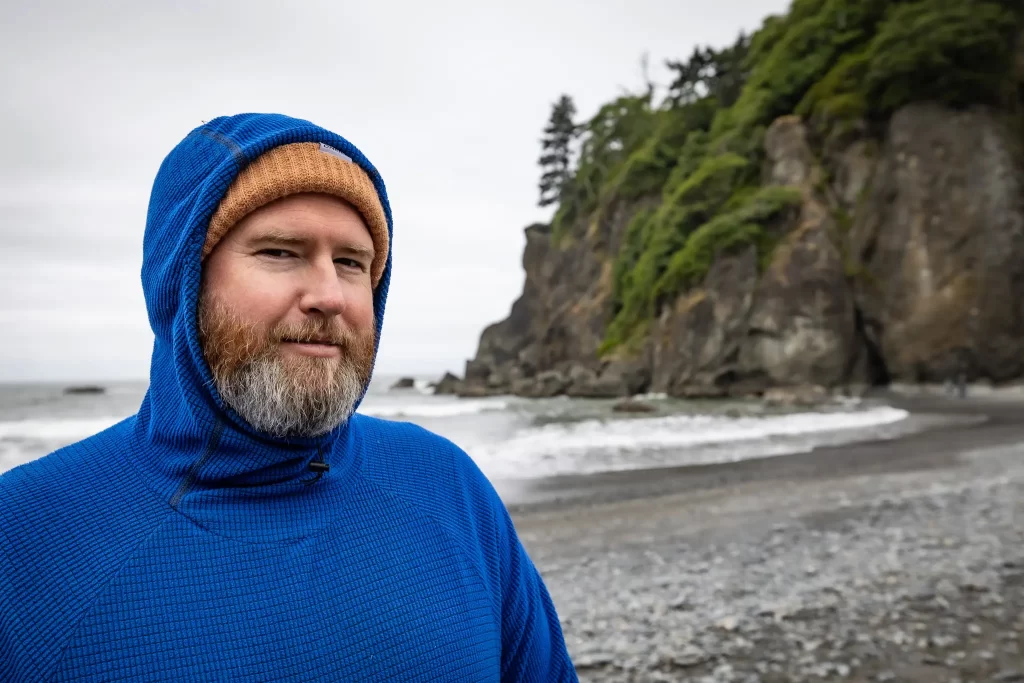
(246, 524)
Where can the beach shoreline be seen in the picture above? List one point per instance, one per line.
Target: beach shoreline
(897, 560)
(957, 425)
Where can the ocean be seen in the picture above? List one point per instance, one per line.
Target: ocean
(509, 438)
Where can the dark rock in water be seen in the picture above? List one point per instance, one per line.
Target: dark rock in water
(448, 385)
(618, 378)
(85, 389)
(477, 391)
(583, 382)
(631, 405)
(404, 383)
(804, 395)
(546, 384)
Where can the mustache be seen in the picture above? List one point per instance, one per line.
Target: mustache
(231, 342)
(312, 333)
(322, 331)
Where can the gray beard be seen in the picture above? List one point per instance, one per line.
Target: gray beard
(280, 403)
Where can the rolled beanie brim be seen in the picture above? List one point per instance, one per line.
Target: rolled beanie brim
(295, 168)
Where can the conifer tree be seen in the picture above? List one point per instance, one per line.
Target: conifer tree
(719, 73)
(556, 155)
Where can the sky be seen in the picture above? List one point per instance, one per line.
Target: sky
(447, 98)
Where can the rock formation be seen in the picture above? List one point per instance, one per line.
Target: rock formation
(714, 245)
(904, 261)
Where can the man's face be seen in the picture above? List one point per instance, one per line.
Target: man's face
(286, 317)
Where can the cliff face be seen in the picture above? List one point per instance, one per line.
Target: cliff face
(548, 344)
(904, 260)
(939, 243)
(795, 323)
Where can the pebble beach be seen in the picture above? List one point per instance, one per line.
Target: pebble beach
(898, 560)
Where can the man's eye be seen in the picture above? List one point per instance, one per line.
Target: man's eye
(349, 263)
(276, 253)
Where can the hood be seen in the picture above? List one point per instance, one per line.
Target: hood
(189, 436)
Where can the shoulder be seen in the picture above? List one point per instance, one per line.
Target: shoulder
(68, 507)
(408, 458)
(435, 477)
(67, 520)
(70, 481)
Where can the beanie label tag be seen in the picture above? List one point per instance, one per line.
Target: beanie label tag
(327, 149)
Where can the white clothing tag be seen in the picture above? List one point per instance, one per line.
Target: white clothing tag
(327, 149)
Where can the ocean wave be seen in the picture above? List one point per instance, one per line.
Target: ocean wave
(656, 396)
(56, 429)
(424, 386)
(600, 445)
(432, 409)
(72, 429)
(592, 445)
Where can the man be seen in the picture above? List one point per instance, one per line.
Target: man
(245, 525)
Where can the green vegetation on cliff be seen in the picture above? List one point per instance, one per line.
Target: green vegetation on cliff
(695, 158)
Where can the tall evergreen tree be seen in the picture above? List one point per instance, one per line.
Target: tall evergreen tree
(719, 73)
(729, 72)
(556, 156)
(689, 85)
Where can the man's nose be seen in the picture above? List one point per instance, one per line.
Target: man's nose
(324, 292)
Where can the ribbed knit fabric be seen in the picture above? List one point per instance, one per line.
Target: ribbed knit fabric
(180, 545)
(302, 167)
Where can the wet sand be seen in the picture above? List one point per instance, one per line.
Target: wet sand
(898, 560)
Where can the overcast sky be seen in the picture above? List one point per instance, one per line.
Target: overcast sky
(446, 98)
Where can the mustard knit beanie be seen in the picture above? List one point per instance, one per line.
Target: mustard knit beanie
(302, 167)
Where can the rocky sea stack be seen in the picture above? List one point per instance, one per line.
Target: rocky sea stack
(836, 201)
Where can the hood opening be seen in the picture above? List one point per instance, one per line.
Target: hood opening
(182, 409)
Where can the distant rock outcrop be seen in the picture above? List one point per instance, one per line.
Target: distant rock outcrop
(448, 385)
(85, 390)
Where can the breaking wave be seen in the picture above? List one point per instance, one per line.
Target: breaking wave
(605, 445)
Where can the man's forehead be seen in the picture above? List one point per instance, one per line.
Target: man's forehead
(297, 237)
(306, 218)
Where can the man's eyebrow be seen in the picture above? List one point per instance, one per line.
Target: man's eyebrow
(285, 239)
(357, 250)
(277, 238)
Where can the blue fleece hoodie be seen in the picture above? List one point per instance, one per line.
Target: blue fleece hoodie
(182, 545)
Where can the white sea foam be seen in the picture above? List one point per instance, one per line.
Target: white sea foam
(603, 445)
(56, 429)
(692, 430)
(423, 386)
(69, 429)
(511, 447)
(431, 408)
